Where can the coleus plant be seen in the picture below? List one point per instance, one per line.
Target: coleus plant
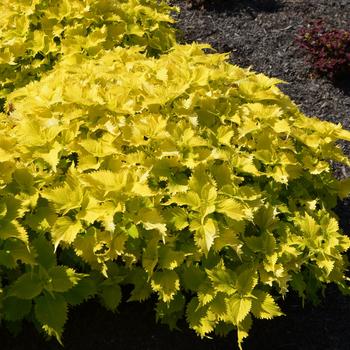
(328, 50)
(34, 34)
(182, 175)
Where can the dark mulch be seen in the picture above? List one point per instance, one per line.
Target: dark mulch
(258, 33)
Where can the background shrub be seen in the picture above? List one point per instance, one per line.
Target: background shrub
(328, 50)
(34, 34)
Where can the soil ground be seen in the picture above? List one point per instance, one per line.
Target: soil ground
(258, 34)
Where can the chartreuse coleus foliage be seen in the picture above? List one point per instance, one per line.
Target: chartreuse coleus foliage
(34, 34)
(184, 176)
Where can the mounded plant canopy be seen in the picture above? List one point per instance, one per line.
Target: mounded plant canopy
(183, 175)
(34, 34)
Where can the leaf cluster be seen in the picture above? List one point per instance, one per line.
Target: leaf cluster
(328, 50)
(34, 34)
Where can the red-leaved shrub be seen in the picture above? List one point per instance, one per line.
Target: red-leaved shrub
(328, 50)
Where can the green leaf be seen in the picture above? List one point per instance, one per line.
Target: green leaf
(190, 198)
(24, 179)
(14, 309)
(265, 217)
(44, 249)
(232, 209)
(192, 277)
(195, 314)
(133, 231)
(178, 217)
(238, 308)
(166, 283)
(10, 208)
(200, 318)
(66, 230)
(265, 243)
(142, 290)
(43, 217)
(13, 230)
(85, 289)
(58, 196)
(27, 286)
(222, 279)
(243, 330)
(51, 312)
(84, 246)
(344, 188)
(106, 181)
(222, 329)
(299, 285)
(62, 278)
(111, 296)
(228, 238)
(264, 306)
(7, 259)
(218, 305)
(208, 196)
(150, 256)
(169, 258)
(205, 293)
(206, 234)
(19, 251)
(200, 179)
(308, 226)
(246, 281)
(152, 220)
(169, 313)
(325, 264)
